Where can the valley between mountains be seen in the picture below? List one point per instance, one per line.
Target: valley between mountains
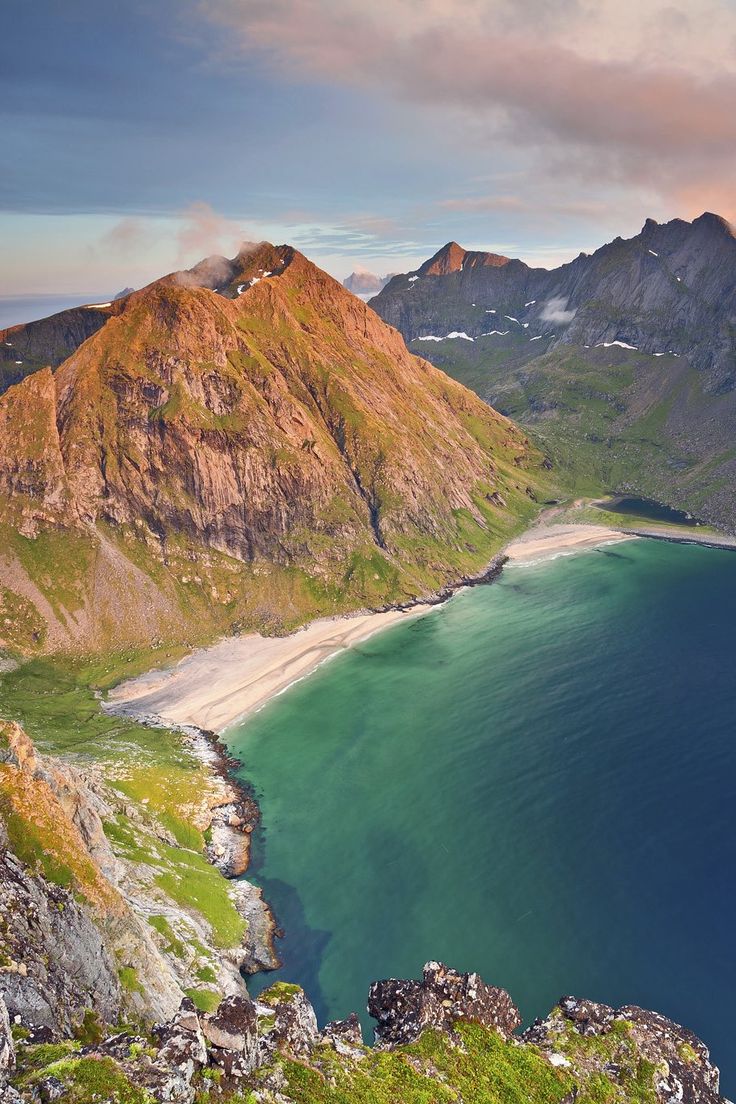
(621, 363)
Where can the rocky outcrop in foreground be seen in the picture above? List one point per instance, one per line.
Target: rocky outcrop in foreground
(448, 1037)
(95, 922)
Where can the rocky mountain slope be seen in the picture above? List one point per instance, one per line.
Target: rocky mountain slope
(244, 443)
(623, 361)
(446, 1039)
(108, 906)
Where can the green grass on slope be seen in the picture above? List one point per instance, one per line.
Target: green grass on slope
(482, 1070)
(153, 767)
(474, 1066)
(610, 418)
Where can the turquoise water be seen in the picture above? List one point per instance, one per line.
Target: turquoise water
(535, 781)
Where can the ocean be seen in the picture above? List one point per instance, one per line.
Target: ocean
(15, 309)
(536, 781)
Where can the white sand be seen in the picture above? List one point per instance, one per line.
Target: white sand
(214, 687)
(543, 541)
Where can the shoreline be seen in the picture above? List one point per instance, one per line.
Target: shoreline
(543, 541)
(214, 688)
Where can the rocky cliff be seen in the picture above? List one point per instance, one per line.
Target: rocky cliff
(242, 442)
(623, 362)
(446, 1038)
(94, 919)
(26, 348)
(672, 288)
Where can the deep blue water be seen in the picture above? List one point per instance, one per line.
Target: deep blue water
(536, 781)
(647, 509)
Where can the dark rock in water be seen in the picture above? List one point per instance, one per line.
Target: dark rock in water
(405, 1008)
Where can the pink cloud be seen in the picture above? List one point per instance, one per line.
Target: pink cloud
(643, 91)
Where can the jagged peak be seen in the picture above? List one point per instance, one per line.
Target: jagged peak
(714, 222)
(253, 261)
(453, 258)
(449, 258)
(707, 221)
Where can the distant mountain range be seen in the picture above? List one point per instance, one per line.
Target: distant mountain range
(362, 282)
(243, 443)
(623, 361)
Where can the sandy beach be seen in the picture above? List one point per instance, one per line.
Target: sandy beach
(214, 687)
(543, 541)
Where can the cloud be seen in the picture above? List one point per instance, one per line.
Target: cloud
(129, 235)
(555, 310)
(640, 93)
(203, 231)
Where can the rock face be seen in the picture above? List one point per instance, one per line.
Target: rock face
(623, 361)
(404, 1009)
(680, 1062)
(672, 287)
(289, 1019)
(26, 348)
(271, 1052)
(75, 917)
(216, 446)
(55, 961)
(7, 1047)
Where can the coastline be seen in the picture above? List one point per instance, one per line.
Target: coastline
(543, 541)
(213, 688)
(216, 687)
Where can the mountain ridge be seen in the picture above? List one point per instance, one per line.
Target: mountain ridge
(621, 363)
(644, 284)
(253, 412)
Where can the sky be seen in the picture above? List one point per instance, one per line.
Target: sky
(138, 137)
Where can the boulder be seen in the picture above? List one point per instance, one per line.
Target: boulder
(287, 1020)
(345, 1036)
(181, 1040)
(233, 1026)
(443, 997)
(588, 1017)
